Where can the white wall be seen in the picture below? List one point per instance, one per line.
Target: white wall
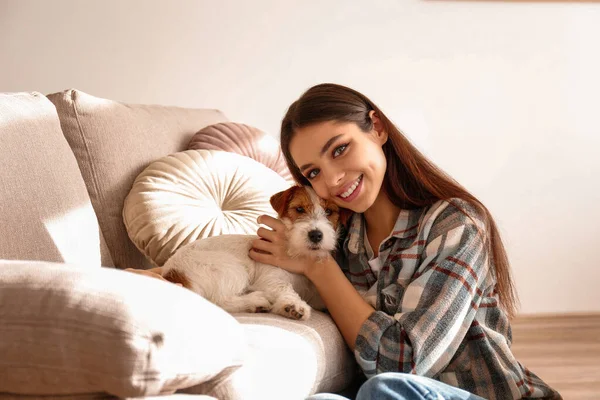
(502, 95)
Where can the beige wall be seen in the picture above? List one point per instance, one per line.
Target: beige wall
(503, 95)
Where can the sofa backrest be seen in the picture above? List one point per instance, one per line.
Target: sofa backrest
(113, 142)
(45, 210)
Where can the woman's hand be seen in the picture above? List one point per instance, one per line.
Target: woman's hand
(153, 273)
(271, 247)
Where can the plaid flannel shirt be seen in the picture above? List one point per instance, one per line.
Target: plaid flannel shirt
(437, 312)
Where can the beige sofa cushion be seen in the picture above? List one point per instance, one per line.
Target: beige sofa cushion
(104, 396)
(288, 359)
(245, 140)
(113, 142)
(315, 350)
(71, 330)
(45, 210)
(196, 194)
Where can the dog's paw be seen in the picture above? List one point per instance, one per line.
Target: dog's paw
(257, 302)
(292, 308)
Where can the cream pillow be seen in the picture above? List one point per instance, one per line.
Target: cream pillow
(70, 331)
(195, 194)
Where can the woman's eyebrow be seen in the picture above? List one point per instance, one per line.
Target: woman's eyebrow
(323, 150)
(329, 143)
(305, 166)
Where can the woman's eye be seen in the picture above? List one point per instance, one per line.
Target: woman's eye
(328, 211)
(339, 150)
(300, 210)
(313, 173)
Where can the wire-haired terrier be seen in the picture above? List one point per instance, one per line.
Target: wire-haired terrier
(219, 269)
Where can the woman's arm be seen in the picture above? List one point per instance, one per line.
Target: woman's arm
(433, 311)
(346, 306)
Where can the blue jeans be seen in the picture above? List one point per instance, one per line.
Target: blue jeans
(400, 386)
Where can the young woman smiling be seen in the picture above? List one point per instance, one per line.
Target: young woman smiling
(421, 286)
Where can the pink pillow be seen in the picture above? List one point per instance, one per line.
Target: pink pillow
(244, 140)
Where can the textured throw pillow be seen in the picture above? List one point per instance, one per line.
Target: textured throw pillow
(195, 194)
(245, 140)
(67, 330)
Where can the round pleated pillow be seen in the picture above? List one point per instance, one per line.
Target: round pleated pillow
(245, 140)
(196, 194)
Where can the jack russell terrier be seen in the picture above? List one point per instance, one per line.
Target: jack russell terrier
(219, 269)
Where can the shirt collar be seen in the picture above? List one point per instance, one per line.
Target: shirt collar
(406, 225)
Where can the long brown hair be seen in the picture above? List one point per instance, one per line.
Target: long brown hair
(411, 180)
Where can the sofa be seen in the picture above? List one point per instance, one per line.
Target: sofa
(73, 323)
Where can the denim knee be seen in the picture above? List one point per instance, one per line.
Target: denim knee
(402, 386)
(390, 386)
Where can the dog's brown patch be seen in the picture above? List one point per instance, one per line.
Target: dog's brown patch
(296, 202)
(332, 211)
(175, 276)
(279, 201)
(338, 214)
(299, 205)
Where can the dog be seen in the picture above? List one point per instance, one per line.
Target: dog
(219, 269)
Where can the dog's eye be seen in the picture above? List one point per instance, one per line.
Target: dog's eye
(300, 210)
(328, 212)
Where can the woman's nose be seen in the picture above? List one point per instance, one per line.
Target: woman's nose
(333, 177)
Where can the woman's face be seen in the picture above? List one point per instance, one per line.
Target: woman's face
(342, 163)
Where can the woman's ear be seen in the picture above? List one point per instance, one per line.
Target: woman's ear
(378, 131)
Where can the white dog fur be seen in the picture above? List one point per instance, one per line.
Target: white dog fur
(219, 268)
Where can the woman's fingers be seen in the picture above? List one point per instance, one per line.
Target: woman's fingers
(264, 246)
(270, 247)
(267, 234)
(271, 222)
(258, 256)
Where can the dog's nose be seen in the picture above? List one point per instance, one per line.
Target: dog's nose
(315, 235)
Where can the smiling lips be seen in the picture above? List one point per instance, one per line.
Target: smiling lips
(349, 190)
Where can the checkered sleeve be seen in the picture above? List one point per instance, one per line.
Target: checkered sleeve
(435, 307)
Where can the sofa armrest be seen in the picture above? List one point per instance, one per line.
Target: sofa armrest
(66, 329)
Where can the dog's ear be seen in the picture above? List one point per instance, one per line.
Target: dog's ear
(345, 215)
(279, 201)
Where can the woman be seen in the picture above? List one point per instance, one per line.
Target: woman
(421, 287)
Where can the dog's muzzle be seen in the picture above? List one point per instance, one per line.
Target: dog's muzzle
(315, 236)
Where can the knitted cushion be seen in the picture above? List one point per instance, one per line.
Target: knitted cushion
(245, 140)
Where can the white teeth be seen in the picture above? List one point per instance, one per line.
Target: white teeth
(351, 189)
